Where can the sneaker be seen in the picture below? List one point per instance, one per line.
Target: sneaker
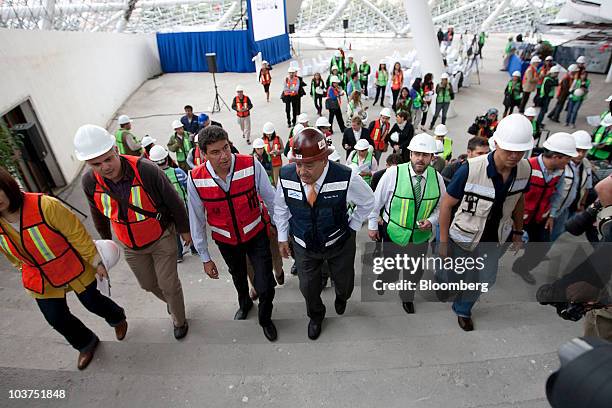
(179, 260)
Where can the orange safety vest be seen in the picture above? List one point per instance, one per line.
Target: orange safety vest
(397, 81)
(266, 78)
(141, 228)
(537, 199)
(47, 252)
(290, 85)
(197, 157)
(242, 104)
(377, 137)
(535, 73)
(235, 216)
(274, 144)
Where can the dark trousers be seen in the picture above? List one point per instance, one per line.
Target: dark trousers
(318, 102)
(556, 112)
(341, 261)
(80, 337)
(440, 107)
(534, 254)
(545, 101)
(292, 108)
(390, 250)
(524, 101)
(424, 117)
(395, 93)
(364, 86)
(337, 113)
(258, 251)
(380, 90)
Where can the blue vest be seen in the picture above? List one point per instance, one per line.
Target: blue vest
(325, 225)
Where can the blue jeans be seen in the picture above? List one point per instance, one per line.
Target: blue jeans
(572, 111)
(559, 225)
(464, 302)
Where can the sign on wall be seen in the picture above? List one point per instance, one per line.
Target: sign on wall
(267, 18)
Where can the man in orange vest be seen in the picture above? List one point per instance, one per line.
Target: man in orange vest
(134, 196)
(530, 81)
(379, 131)
(545, 190)
(242, 105)
(225, 192)
(56, 255)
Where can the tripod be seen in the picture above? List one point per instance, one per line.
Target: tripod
(216, 104)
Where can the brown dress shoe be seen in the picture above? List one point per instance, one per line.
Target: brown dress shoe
(465, 323)
(85, 358)
(121, 330)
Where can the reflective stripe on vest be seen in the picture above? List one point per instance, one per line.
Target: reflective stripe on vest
(551, 93)
(529, 68)
(274, 144)
(133, 229)
(368, 161)
(378, 137)
(235, 216)
(448, 148)
(403, 212)
(266, 78)
(197, 157)
(290, 86)
(240, 105)
(171, 174)
(537, 199)
(122, 146)
(186, 146)
(47, 252)
(601, 136)
(418, 99)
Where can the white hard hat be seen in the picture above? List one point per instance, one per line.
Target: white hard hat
(444, 76)
(302, 118)
(364, 59)
(362, 144)
(606, 121)
(147, 140)
(158, 153)
(549, 58)
(386, 112)
(258, 143)
(176, 124)
(394, 137)
(579, 92)
(561, 142)
(334, 79)
(535, 59)
(572, 68)
(583, 139)
(239, 88)
(291, 69)
(530, 111)
(297, 129)
(268, 128)
(91, 141)
(264, 62)
(123, 119)
(334, 156)
(422, 143)
(441, 130)
(334, 67)
(109, 252)
(322, 122)
(516, 74)
(382, 61)
(350, 56)
(581, 60)
(514, 133)
(439, 147)
(555, 69)
(609, 98)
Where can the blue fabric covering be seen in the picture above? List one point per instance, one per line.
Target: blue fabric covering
(275, 49)
(515, 64)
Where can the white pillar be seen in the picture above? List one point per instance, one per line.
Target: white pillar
(425, 40)
(609, 76)
(47, 19)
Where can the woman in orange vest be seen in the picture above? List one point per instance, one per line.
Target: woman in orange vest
(265, 78)
(56, 255)
(274, 146)
(397, 81)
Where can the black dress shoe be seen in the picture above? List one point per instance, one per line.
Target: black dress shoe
(408, 307)
(270, 332)
(241, 314)
(180, 332)
(465, 323)
(314, 330)
(340, 306)
(294, 269)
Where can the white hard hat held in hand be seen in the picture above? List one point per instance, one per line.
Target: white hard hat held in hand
(109, 252)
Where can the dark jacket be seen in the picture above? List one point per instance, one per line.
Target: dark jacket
(155, 183)
(192, 125)
(348, 137)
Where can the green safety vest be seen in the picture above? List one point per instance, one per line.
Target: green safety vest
(444, 96)
(552, 90)
(402, 221)
(181, 153)
(269, 159)
(368, 161)
(356, 86)
(337, 62)
(534, 126)
(364, 71)
(587, 84)
(601, 136)
(481, 38)
(352, 66)
(418, 100)
(383, 78)
(448, 148)
(515, 90)
(171, 174)
(119, 139)
(603, 114)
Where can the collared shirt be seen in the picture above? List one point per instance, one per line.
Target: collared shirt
(573, 191)
(197, 212)
(555, 199)
(386, 188)
(456, 189)
(360, 161)
(358, 193)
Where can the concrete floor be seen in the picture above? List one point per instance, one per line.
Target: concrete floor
(374, 355)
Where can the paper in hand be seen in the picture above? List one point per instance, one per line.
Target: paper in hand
(103, 286)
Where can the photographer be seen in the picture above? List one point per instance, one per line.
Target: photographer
(484, 125)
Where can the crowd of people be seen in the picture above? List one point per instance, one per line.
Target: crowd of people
(259, 209)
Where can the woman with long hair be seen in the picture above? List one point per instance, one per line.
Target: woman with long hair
(265, 78)
(381, 79)
(416, 94)
(354, 107)
(404, 102)
(317, 91)
(397, 82)
(428, 92)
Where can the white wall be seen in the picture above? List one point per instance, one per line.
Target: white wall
(72, 78)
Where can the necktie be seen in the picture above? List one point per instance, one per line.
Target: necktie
(312, 194)
(417, 190)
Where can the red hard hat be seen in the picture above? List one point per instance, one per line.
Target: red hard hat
(309, 145)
